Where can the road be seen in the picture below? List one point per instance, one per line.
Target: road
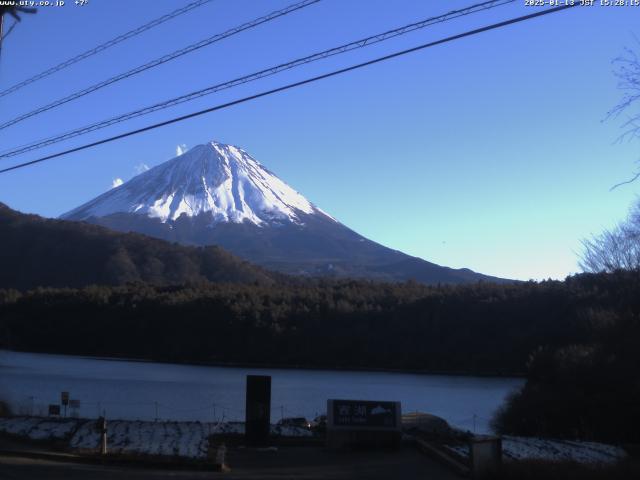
(291, 463)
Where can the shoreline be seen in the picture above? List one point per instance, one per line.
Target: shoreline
(276, 366)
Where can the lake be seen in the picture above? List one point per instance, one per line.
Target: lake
(146, 391)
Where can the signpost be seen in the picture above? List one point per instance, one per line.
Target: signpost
(258, 410)
(64, 399)
(74, 405)
(363, 423)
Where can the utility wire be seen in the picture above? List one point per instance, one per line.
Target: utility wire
(164, 59)
(364, 42)
(296, 84)
(104, 46)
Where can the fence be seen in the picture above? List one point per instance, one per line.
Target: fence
(154, 410)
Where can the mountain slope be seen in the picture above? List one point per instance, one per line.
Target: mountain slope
(41, 252)
(217, 194)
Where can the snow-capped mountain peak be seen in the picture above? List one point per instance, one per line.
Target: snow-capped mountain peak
(221, 180)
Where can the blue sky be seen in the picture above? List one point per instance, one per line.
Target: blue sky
(489, 153)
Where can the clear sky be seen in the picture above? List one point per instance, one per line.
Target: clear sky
(489, 152)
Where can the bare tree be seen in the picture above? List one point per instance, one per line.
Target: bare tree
(628, 74)
(619, 248)
(615, 249)
(627, 71)
(15, 10)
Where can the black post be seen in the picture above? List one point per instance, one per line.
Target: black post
(258, 410)
(1, 29)
(102, 429)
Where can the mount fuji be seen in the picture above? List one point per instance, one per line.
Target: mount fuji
(218, 194)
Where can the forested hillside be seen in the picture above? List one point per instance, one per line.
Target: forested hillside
(35, 251)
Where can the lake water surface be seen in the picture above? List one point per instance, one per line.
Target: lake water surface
(138, 390)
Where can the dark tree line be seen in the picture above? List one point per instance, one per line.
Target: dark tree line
(480, 328)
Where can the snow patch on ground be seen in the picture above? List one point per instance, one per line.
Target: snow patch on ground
(532, 448)
(170, 439)
(37, 428)
(520, 448)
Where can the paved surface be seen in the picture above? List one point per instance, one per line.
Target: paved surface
(305, 463)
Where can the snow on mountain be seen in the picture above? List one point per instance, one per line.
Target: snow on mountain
(214, 178)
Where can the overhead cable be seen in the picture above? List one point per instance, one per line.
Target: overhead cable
(104, 46)
(295, 84)
(161, 60)
(361, 43)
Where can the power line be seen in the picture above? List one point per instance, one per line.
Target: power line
(296, 84)
(364, 42)
(104, 46)
(164, 59)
